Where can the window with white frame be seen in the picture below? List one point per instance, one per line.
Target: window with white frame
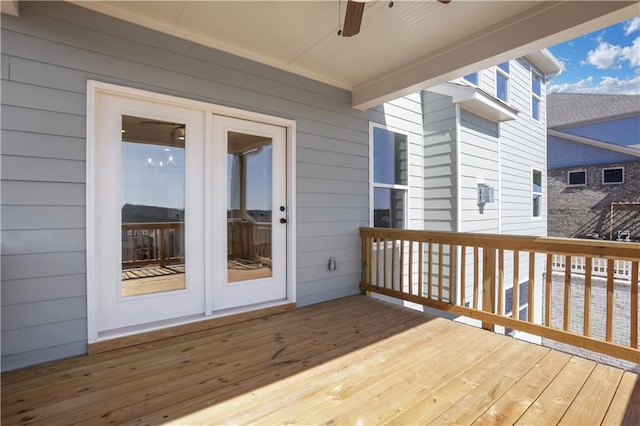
(472, 78)
(613, 176)
(522, 305)
(536, 95)
(536, 190)
(577, 178)
(502, 81)
(390, 183)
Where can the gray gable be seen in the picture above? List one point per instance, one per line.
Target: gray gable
(570, 108)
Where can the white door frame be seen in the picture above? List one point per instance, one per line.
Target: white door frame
(94, 88)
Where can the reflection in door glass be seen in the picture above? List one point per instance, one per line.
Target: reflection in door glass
(153, 206)
(249, 209)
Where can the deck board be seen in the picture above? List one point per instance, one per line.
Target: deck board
(510, 407)
(353, 360)
(625, 407)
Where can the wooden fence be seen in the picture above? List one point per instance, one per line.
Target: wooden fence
(599, 267)
(159, 243)
(469, 274)
(248, 240)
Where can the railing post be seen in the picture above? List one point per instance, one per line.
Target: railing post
(488, 284)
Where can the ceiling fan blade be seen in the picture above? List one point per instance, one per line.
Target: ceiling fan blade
(445, 1)
(353, 18)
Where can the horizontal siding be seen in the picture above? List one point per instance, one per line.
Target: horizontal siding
(622, 131)
(523, 147)
(478, 164)
(563, 153)
(28, 217)
(49, 53)
(52, 311)
(41, 265)
(440, 184)
(4, 67)
(39, 145)
(26, 193)
(29, 290)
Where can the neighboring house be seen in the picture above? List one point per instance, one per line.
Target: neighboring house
(150, 180)
(487, 132)
(593, 157)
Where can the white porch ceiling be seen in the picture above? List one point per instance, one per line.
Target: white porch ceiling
(414, 45)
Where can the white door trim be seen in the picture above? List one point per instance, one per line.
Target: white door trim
(93, 89)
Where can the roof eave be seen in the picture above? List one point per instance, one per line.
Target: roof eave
(477, 101)
(544, 61)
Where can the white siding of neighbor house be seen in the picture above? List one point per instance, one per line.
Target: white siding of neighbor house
(499, 155)
(48, 54)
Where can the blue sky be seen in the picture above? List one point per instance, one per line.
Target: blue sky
(605, 61)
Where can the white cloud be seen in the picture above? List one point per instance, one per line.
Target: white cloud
(607, 56)
(632, 53)
(607, 85)
(632, 25)
(604, 56)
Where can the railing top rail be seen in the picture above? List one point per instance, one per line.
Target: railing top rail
(569, 246)
(151, 225)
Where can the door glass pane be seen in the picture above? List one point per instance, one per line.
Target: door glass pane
(249, 209)
(153, 206)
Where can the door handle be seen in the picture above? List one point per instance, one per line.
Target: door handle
(283, 220)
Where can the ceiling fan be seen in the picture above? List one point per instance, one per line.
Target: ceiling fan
(353, 16)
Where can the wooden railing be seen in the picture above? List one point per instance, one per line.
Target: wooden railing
(248, 240)
(474, 275)
(152, 243)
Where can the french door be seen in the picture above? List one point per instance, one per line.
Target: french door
(188, 214)
(253, 208)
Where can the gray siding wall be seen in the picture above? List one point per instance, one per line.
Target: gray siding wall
(478, 164)
(440, 170)
(501, 155)
(49, 53)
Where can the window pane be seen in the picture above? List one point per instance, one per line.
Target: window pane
(389, 157)
(577, 178)
(388, 208)
(537, 203)
(535, 108)
(153, 206)
(504, 67)
(612, 176)
(535, 84)
(537, 181)
(472, 78)
(503, 87)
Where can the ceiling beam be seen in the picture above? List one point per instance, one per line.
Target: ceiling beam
(10, 7)
(546, 24)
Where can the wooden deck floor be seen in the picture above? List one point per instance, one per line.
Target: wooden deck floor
(350, 361)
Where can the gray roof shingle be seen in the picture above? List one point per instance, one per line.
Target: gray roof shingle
(570, 108)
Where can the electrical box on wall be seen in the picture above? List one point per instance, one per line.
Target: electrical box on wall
(485, 194)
